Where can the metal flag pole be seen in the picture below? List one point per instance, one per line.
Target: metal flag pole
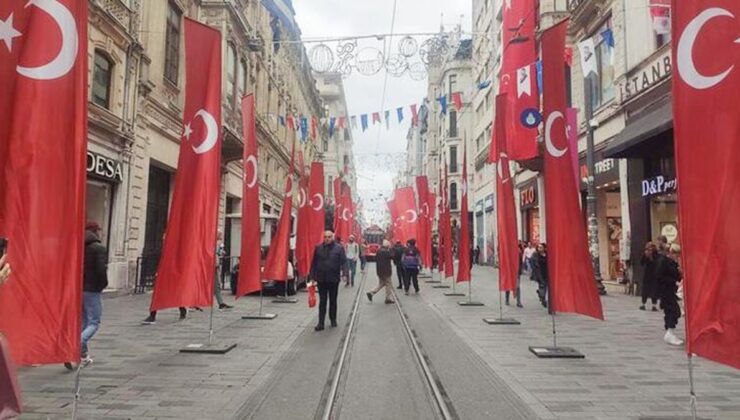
(554, 331)
(262, 295)
(210, 316)
(555, 352)
(692, 402)
(501, 320)
(77, 391)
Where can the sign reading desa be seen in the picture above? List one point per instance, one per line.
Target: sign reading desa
(103, 167)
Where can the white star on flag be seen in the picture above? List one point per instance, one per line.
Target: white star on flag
(187, 131)
(8, 32)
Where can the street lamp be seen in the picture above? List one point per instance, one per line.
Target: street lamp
(593, 227)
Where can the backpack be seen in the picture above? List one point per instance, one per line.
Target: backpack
(410, 261)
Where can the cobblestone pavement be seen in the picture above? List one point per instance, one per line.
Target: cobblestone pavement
(138, 371)
(628, 372)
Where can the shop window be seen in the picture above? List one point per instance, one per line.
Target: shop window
(172, 44)
(601, 85)
(102, 76)
(230, 73)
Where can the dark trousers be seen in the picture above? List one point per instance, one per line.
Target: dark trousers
(542, 290)
(328, 291)
(399, 273)
(410, 275)
(671, 310)
(645, 299)
(183, 313)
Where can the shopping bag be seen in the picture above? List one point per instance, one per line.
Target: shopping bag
(311, 295)
(10, 392)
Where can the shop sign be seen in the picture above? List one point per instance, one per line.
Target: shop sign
(528, 196)
(636, 83)
(489, 202)
(658, 185)
(606, 170)
(104, 167)
(670, 232)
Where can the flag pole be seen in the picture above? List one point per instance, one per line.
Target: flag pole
(501, 320)
(77, 391)
(692, 402)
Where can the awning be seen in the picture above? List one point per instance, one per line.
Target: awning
(636, 138)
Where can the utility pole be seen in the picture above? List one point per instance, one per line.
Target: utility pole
(593, 228)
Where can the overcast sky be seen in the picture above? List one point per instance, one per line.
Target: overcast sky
(335, 18)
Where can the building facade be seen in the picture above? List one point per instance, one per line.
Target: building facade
(137, 95)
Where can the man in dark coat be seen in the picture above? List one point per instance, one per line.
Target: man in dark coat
(540, 274)
(328, 265)
(95, 279)
(669, 275)
(385, 271)
(397, 253)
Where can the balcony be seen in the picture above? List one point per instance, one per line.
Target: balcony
(583, 11)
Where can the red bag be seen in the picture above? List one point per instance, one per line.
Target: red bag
(311, 295)
(10, 392)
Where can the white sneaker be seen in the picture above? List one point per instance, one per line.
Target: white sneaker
(670, 338)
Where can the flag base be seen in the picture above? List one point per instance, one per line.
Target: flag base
(470, 303)
(501, 321)
(218, 348)
(454, 294)
(544, 352)
(440, 286)
(287, 300)
(425, 276)
(263, 316)
(432, 281)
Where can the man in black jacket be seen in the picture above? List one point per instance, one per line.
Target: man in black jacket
(328, 265)
(385, 270)
(397, 253)
(95, 279)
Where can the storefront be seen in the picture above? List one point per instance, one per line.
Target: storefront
(104, 175)
(608, 213)
(530, 209)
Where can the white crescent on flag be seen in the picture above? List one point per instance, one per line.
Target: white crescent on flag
(65, 59)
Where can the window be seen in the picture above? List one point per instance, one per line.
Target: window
(172, 44)
(452, 82)
(330, 188)
(230, 73)
(602, 85)
(453, 123)
(453, 196)
(102, 71)
(267, 171)
(662, 39)
(453, 159)
(243, 79)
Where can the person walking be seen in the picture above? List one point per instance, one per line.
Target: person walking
(353, 255)
(527, 252)
(669, 275)
(363, 257)
(94, 280)
(411, 262)
(518, 290)
(328, 265)
(539, 272)
(384, 270)
(649, 280)
(220, 254)
(397, 254)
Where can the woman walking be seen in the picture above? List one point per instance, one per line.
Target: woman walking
(649, 280)
(539, 272)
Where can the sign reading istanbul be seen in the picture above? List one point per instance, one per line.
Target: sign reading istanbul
(658, 185)
(104, 167)
(647, 77)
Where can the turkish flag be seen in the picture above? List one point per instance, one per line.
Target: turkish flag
(440, 225)
(519, 24)
(187, 268)
(276, 262)
(705, 107)
(447, 226)
(407, 212)
(249, 260)
(424, 233)
(395, 221)
(508, 250)
(337, 189)
(304, 244)
(463, 248)
(43, 139)
(572, 285)
(318, 208)
(343, 213)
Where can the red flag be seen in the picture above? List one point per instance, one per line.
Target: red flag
(43, 139)
(186, 270)
(519, 22)
(571, 132)
(316, 201)
(572, 285)
(347, 212)
(440, 225)
(314, 124)
(341, 123)
(449, 261)
(463, 248)
(276, 262)
(705, 107)
(414, 115)
(407, 213)
(508, 250)
(337, 202)
(304, 244)
(376, 117)
(457, 100)
(423, 237)
(291, 121)
(249, 261)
